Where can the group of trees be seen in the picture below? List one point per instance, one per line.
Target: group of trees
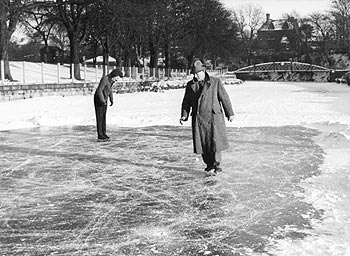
(315, 36)
(130, 30)
(176, 30)
(320, 34)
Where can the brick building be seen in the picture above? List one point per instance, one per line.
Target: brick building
(277, 35)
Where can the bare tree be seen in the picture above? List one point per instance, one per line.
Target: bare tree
(38, 26)
(323, 31)
(10, 15)
(132, 29)
(249, 19)
(341, 14)
(102, 28)
(206, 30)
(155, 12)
(323, 25)
(72, 14)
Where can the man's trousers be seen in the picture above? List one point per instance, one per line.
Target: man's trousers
(212, 159)
(100, 111)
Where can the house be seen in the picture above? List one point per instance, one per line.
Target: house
(277, 35)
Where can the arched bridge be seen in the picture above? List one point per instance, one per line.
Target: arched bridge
(282, 66)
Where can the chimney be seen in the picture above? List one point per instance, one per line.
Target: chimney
(267, 16)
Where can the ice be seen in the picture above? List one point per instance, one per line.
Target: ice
(284, 189)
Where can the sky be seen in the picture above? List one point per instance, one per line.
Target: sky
(277, 8)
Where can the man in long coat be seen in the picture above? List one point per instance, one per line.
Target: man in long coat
(102, 93)
(209, 101)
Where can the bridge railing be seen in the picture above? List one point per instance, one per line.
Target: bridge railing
(285, 70)
(283, 66)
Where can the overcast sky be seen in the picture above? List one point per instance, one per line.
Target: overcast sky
(278, 7)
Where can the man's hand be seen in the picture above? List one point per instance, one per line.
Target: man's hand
(111, 103)
(182, 119)
(230, 118)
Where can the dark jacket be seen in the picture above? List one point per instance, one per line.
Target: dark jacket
(104, 90)
(208, 123)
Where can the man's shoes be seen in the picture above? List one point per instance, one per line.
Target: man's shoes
(210, 171)
(102, 139)
(208, 168)
(217, 167)
(106, 136)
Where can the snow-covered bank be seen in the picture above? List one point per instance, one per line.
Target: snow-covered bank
(330, 192)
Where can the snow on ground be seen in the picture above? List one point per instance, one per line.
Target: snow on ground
(255, 104)
(323, 106)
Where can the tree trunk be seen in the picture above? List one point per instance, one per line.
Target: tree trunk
(105, 48)
(5, 35)
(46, 54)
(153, 57)
(127, 63)
(154, 52)
(326, 51)
(74, 57)
(249, 57)
(105, 65)
(215, 59)
(5, 58)
(167, 60)
(190, 60)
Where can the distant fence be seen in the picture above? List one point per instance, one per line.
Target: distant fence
(40, 79)
(43, 73)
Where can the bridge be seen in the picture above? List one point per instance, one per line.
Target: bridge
(282, 66)
(285, 71)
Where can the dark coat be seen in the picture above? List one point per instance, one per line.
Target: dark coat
(104, 91)
(208, 123)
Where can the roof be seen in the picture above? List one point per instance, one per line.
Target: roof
(280, 24)
(100, 59)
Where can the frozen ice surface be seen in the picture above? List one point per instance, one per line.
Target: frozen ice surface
(145, 192)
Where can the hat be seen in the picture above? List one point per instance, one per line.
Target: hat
(116, 72)
(197, 66)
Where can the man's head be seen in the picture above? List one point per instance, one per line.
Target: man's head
(115, 74)
(198, 69)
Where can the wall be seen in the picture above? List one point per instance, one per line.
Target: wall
(27, 91)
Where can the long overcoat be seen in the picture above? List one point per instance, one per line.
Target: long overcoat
(207, 107)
